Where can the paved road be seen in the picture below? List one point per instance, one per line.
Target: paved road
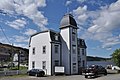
(73, 77)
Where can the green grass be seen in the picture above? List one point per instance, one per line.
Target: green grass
(20, 68)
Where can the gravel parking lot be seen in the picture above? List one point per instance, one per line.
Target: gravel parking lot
(72, 77)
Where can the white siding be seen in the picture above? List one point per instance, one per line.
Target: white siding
(38, 41)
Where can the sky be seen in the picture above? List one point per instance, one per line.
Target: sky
(98, 21)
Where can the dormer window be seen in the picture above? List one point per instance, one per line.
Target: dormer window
(74, 31)
(56, 37)
(82, 42)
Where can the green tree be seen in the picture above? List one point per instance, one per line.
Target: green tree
(116, 57)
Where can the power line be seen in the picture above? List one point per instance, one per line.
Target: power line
(5, 35)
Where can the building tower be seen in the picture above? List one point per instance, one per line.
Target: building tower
(68, 31)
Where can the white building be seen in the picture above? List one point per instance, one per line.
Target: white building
(49, 48)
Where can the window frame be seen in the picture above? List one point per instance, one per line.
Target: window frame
(74, 31)
(56, 47)
(33, 64)
(74, 50)
(33, 51)
(56, 61)
(73, 37)
(74, 67)
(56, 37)
(83, 52)
(44, 49)
(43, 64)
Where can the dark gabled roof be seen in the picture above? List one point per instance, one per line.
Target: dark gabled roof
(81, 43)
(68, 21)
(53, 35)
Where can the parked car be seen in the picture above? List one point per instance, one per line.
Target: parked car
(95, 70)
(36, 72)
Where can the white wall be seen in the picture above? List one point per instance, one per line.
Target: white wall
(65, 49)
(68, 58)
(38, 41)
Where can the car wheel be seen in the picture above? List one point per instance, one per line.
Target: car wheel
(36, 75)
(42, 74)
(105, 73)
(86, 76)
(28, 74)
(96, 75)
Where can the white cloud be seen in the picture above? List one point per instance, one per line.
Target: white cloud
(28, 8)
(17, 24)
(3, 40)
(30, 32)
(68, 3)
(20, 39)
(81, 15)
(80, 10)
(103, 24)
(21, 45)
(81, 1)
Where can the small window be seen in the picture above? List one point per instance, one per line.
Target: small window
(33, 64)
(74, 67)
(74, 49)
(79, 63)
(56, 48)
(56, 63)
(82, 42)
(73, 37)
(44, 49)
(74, 59)
(74, 30)
(83, 52)
(83, 63)
(33, 50)
(44, 64)
(56, 37)
(78, 51)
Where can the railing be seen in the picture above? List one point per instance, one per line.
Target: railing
(12, 72)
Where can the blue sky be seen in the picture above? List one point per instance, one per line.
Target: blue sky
(98, 21)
